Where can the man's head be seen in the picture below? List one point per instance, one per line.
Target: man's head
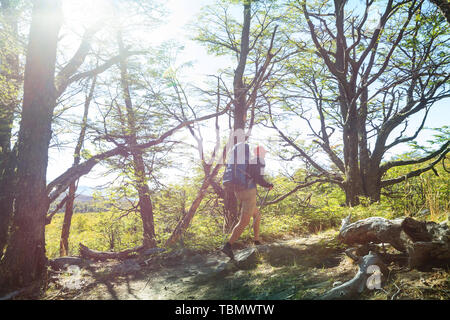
(260, 152)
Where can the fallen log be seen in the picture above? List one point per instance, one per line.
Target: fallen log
(90, 254)
(430, 244)
(369, 266)
(373, 230)
(427, 244)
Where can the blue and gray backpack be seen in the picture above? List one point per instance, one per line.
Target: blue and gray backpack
(235, 175)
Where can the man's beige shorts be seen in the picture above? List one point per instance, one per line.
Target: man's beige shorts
(248, 200)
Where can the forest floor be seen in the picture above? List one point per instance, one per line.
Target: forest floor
(299, 268)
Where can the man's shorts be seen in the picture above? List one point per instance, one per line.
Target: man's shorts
(248, 200)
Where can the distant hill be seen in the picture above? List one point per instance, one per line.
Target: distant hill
(83, 198)
(84, 201)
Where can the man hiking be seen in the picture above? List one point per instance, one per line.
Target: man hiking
(241, 176)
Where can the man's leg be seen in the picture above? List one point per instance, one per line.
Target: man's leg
(248, 199)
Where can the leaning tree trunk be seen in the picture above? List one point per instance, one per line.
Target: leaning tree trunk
(186, 219)
(24, 261)
(65, 231)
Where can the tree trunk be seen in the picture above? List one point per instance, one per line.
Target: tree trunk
(90, 254)
(372, 183)
(146, 211)
(231, 217)
(24, 261)
(353, 183)
(429, 244)
(145, 204)
(231, 214)
(240, 104)
(65, 232)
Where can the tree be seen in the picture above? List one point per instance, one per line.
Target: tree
(24, 260)
(145, 204)
(70, 198)
(365, 80)
(68, 74)
(250, 43)
(68, 77)
(25, 253)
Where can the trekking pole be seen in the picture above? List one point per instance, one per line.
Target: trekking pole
(265, 197)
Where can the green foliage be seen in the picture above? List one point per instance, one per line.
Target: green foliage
(97, 230)
(313, 209)
(425, 196)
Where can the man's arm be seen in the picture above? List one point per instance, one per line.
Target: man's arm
(255, 173)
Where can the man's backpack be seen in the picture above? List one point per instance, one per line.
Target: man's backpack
(236, 175)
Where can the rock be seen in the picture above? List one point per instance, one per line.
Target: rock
(224, 268)
(64, 262)
(247, 258)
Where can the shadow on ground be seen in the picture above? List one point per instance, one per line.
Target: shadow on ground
(290, 269)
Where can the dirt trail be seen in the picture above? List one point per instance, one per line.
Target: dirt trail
(302, 268)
